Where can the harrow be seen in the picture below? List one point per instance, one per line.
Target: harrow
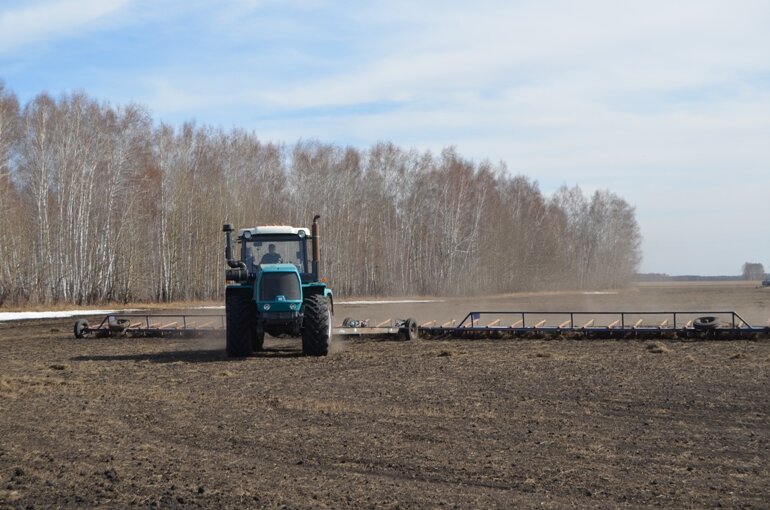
(152, 325)
(189, 325)
(693, 325)
(714, 325)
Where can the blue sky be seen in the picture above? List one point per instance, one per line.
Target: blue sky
(665, 103)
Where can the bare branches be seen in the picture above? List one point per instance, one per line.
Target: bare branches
(102, 205)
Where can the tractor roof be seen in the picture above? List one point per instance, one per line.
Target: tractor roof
(274, 229)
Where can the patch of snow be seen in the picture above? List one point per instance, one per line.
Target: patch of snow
(389, 302)
(18, 316)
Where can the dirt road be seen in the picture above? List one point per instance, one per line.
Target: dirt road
(172, 423)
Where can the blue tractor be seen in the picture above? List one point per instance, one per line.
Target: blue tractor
(274, 287)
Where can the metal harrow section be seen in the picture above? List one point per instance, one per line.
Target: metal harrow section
(403, 328)
(152, 325)
(722, 325)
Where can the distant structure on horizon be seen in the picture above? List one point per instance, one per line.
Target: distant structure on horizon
(753, 271)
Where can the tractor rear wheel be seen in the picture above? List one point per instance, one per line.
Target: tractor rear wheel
(316, 326)
(241, 322)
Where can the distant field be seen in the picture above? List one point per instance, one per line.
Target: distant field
(747, 298)
(173, 423)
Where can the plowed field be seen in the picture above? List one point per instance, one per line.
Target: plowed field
(167, 423)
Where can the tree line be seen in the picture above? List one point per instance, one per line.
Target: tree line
(100, 203)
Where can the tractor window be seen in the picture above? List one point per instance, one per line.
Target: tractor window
(277, 250)
(279, 284)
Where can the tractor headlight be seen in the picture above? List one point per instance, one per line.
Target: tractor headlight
(247, 235)
(266, 306)
(293, 306)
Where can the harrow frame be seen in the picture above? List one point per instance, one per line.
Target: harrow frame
(725, 325)
(489, 324)
(146, 325)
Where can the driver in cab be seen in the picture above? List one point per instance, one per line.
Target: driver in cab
(271, 257)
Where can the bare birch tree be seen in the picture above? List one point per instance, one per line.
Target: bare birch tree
(121, 209)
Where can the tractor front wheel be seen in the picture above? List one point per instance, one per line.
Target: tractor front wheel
(316, 326)
(241, 322)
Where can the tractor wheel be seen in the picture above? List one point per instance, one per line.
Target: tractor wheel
(316, 326)
(80, 328)
(241, 322)
(410, 332)
(258, 340)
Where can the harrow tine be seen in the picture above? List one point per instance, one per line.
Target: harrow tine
(494, 323)
(450, 323)
(426, 324)
(382, 324)
(589, 324)
(613, 324)
(638, 323)
(663, 324)
(564, 324)
(515, 324)
(540, 324)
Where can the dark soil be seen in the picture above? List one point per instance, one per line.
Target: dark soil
(471, 424)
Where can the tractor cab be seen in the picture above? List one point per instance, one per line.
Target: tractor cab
(276, 245)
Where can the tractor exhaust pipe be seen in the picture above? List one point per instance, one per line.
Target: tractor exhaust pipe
(315, 234)
(227, 228)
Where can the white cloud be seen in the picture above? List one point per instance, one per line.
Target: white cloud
(44, 20)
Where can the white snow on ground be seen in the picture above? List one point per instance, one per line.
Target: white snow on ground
(389, 302)
(362, 302)
(16, 316)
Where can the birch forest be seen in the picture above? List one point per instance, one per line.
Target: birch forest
(100, 203)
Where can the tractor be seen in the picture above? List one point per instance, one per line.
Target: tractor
(274, 287)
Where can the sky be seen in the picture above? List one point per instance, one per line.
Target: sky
(666, 104)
